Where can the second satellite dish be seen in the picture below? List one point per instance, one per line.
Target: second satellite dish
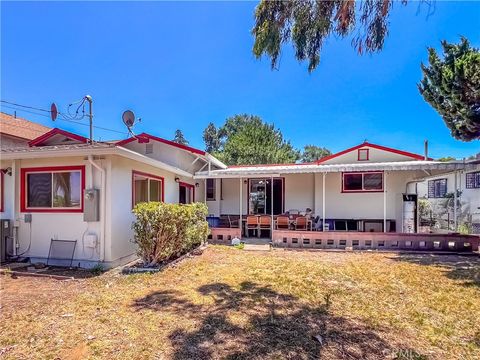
(128, 118)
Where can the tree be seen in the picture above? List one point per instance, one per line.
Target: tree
(312, 153)
(307, 24)
(452, 87)
(211, 138)
(179, 138)
(446, 159)
(247, 139)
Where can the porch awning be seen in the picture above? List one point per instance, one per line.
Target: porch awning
(272, 170)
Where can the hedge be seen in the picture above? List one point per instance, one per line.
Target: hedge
(167, 231)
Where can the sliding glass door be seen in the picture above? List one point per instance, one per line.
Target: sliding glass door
(260, 196)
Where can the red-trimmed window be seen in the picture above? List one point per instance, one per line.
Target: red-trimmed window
(362, 182)
(146, 187)
(186, 193)
(52, 189)
(363, 155)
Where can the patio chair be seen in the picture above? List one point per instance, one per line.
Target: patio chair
(252, 224)
(282, 222)
(233, 223)
(301, 223)
(265, 223)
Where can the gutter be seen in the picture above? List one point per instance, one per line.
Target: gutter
(103, 206)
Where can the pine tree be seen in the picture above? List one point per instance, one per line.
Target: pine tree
(211, 138)
(452, 87)
(179, 138)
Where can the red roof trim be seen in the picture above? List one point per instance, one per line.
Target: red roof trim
(379, 147)
(56, 131)
(144, 137)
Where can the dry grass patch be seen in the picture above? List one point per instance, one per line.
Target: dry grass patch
(233, 304)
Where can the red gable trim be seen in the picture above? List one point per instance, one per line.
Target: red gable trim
(56, 131)
(379, 147)
(144, 138)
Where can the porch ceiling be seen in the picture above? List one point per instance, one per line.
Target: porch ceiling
(272, 170)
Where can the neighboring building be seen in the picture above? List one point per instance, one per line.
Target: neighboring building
(17, 132)
(439, 192)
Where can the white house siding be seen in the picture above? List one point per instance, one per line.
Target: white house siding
(34, 238)
(362, 205)
(168, 154)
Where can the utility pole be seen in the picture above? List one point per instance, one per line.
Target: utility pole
(90, 115)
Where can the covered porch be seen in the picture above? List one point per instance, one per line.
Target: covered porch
(342, 206)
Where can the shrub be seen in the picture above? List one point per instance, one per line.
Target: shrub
(164, 231)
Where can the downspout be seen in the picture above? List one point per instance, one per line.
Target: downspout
(102, 205)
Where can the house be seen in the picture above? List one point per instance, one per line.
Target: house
(438, 191)
(63, 187)
(364, 192)
(64, 197)
(17, 132)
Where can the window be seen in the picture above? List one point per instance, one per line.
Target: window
(211, 189)
(472, 180)
(437, 188)
(362, 182)
(53, 189)
(363, 154)
(186, 193)
(260, 196)
(146, 187)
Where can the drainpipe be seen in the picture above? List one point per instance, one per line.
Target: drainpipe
(102, 205)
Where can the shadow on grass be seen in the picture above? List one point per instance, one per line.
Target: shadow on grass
(253, 321)
(458, 267)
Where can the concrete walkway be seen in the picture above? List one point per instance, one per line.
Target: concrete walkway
(257, 244)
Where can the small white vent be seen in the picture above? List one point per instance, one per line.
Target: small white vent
(149, 148)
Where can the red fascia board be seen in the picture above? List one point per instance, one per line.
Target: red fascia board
(379, 147)
(56, 131)
(144, 137)
(23, 188)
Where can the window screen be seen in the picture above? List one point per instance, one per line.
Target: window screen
(437, 188)
(472, 180)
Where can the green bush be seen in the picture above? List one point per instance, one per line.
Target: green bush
(165, 231)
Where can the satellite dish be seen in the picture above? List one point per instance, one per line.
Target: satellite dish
(53, 111)
(128, 118)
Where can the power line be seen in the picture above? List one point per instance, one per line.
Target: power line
(48, 116)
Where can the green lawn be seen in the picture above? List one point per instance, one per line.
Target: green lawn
(235, 304)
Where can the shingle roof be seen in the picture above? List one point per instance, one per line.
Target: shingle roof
(20, 128)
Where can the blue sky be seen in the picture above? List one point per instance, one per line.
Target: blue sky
(182, 65)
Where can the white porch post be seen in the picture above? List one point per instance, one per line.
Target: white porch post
(271, 207)
(323, 201)
(240, 222)
(385, 202)
(455, 202)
